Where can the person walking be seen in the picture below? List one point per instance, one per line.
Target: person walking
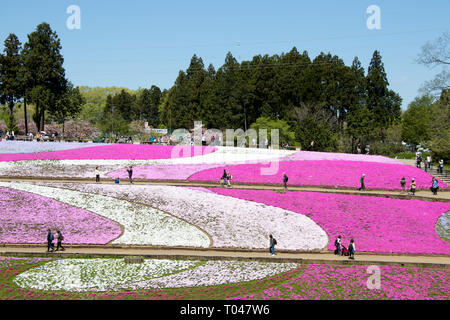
(435, 186)
(351, 249)
(412, 189)
(225, 177)
(337, 244)
(363, 187)
(229, 177)
(273, 242)
(50, 239)
(97, 175)
(403, 184)
(441, 166)
(429, 161)
(59, 241)
(130, 174)
(285, 180)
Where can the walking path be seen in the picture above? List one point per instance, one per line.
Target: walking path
(231, 254)
(442, 196)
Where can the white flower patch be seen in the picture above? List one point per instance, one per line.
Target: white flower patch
(96, 274)
(85, 168)
(143, 225)
(216, 273)
(230, 222)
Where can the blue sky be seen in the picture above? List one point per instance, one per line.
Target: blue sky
(138, 43)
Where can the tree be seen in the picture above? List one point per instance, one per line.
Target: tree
(416, 120)
(44, 62)
(147, 103)
(434, 55)
(440, 128)
(10, 80)
(384, 104)
(67, 105)
(285, 132)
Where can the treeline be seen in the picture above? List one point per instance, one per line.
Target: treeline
(35, 74)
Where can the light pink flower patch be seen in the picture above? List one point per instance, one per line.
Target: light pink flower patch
(26, 217)
(162, 171)
(113, 152)
(325, 173)
(376, 224)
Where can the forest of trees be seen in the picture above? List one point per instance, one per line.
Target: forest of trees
(311, 99)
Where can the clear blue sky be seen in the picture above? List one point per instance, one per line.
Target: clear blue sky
(138, 43)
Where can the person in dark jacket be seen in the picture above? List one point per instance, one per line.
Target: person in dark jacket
(337, 244)
(50, 239)
(130, 174)
(273, 242)
(351, 249)
(59, 241)
(285, 180)
(363, 187)
(225, 177)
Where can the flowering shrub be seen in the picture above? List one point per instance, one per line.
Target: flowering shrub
(325, 173)
(376, 224)
(25, 218)
(21, 127)
(142, 225)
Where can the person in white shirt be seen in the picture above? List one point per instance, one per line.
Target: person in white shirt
(97, 175)
(441, 166)
(429, 161)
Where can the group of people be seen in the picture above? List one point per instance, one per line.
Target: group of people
(341, 250)
(51, 237)
(226, 178)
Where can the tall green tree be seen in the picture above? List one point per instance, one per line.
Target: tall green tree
(44, 61)
(416, 120)
(11, 86)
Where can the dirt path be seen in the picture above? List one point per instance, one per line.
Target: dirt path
(228, 254)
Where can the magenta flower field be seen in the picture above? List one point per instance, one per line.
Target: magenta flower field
(377, 224)
(112, 152)
(346, 174)
(315, 155)
(333, 282)
(25, 218)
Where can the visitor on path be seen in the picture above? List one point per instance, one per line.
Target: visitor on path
(403, 184)
(337, 244)
(50, 239)
(429, 161)
(412, 189)
(441, 166)
(312, 145)
(117, 181)
(363, 187)
(229, 177)
(97, 175)
(351, 249)
(285, 180)
(224, 177)
(367, 149)
(130, 174)
(419, 160)
(358, 149)
(435, 186)
(59, 241)
(273, 242)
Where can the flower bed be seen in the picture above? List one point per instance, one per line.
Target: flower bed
(328, 282)
(114, 274)
(376, 224)
(230, 222)
(325, 173)
(113, 152)
(26, 217)
(142, 225)
(34, 147)
(311, 156)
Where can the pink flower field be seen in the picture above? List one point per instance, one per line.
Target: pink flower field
(377, 224)
(25, 218)
(328, 282)
(112, 152)
(330, 173)
(314, 155)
